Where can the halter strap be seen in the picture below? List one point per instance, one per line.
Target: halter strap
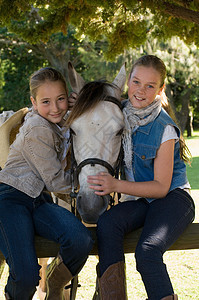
(92, 162)
(114, 100)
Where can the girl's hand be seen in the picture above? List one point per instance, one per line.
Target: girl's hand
(71, 100)
(103, 183)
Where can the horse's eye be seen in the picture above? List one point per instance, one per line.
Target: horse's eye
(120, 131)
(72, 131)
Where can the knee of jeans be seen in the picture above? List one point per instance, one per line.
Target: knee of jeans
(75, 251)
(85, 243)
(80, 244)
(147, 256)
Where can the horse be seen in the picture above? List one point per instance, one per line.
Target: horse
(96, 124)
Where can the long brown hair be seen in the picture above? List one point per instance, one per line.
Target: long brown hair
(156, 63)
(91, 94)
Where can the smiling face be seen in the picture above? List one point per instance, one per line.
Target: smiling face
(143, 86)
(51, 101)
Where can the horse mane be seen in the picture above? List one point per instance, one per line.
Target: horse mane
(90, 95)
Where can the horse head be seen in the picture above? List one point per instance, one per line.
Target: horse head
(96, 123)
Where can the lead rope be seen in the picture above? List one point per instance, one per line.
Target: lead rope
(119, 173)
(73, 194)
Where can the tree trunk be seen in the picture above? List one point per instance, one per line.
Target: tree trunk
(189, 126)
(182, 116)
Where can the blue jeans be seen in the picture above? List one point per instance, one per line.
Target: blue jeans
(21, 217)
(163, 221)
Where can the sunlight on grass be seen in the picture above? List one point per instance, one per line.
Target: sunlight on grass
(193, 173)
(193, 170)
(194, 135)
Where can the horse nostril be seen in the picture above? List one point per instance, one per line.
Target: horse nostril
(78, 202)
(90, 218)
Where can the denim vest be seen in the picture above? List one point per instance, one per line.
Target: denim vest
(146, 142)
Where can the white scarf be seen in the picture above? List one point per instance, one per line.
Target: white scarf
(134, 117)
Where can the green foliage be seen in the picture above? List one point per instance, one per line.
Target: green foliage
(17, 64)
(107, 34)
(124, 36)
(20, 59)
(183, 70)
(122, 23)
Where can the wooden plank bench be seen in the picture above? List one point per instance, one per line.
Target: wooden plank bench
(45, 248)
(188, 240)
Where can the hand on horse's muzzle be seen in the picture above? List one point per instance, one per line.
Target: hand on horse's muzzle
(102, 184)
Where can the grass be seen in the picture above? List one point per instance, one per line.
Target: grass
(192, 171)
(183, 266)
(195, 135)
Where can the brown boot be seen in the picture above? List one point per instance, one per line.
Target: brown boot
(57, 276)
(112, 284)
(171, 297)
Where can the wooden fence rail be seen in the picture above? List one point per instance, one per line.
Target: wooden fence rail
(188, 240)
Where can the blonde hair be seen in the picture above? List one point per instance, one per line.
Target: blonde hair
(42, 75)
(156, 63)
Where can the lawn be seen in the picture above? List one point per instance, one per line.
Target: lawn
(193, 170)
(183, 266)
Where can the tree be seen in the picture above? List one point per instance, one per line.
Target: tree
(123, 23)
(115, 30)
(19, 60)
(182, 69)
(183, 80)
(182, 76)
(17, 63)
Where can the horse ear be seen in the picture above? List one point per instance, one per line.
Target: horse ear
(75, 79)
(120, 79)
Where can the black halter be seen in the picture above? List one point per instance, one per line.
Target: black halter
(114, 100)
(92, 162)
(76, 169)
